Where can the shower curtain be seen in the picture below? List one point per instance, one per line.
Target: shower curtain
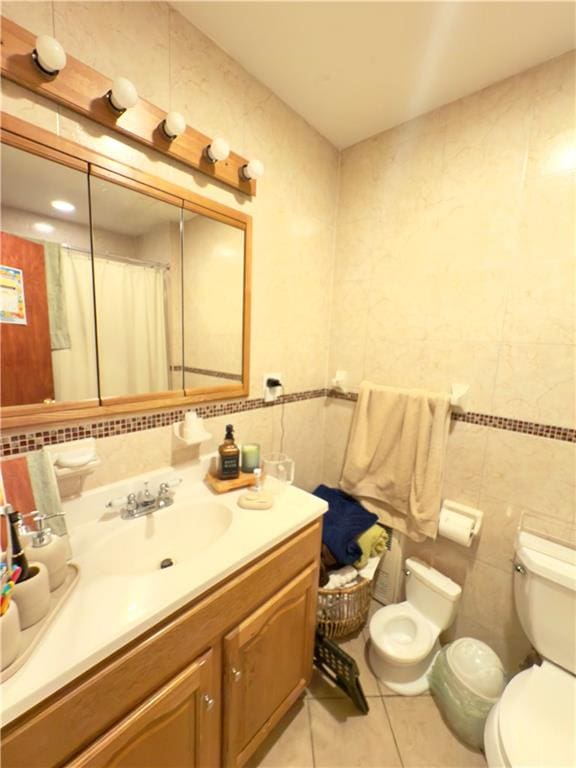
(131, 317)
(131, 321)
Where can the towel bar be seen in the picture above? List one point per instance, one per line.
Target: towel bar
(458, 390)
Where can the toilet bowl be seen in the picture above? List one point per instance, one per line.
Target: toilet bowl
(533, 722)
(404, 636)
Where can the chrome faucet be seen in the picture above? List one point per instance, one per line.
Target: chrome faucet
(143, 503)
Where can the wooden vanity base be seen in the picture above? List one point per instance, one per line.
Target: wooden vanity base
(202, 688)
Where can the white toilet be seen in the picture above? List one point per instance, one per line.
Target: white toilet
(404, 636)
(534, 722)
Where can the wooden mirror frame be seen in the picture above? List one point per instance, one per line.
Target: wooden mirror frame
(22, 135)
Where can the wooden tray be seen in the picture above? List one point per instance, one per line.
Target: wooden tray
(244, 480)
(30, 637)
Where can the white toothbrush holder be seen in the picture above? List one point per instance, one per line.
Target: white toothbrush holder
(9, 635)
(33, 596)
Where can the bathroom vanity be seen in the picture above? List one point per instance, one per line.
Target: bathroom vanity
(191, 665)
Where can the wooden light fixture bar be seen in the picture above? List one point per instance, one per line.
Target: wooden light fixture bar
(82, 89)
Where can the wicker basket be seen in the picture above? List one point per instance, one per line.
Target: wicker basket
(343, 611)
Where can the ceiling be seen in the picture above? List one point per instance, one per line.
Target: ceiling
(353, 69)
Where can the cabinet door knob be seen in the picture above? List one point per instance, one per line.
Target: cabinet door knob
(208, 701)
(236, 674)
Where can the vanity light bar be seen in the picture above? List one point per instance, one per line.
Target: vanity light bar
(28, 61)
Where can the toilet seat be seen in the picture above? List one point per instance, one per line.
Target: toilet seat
(533, 722)
(401, 634)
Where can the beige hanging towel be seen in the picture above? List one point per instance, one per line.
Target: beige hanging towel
(395, 458)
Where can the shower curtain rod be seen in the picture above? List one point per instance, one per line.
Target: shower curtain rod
(118, 257)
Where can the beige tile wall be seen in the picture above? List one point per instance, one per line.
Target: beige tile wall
(176, 67)
(455, 261)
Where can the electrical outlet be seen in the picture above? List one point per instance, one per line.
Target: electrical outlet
(272, 393)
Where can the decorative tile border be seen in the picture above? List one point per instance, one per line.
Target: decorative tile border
(12, 445)
(497, 422)
(207, 372)
(517, 425)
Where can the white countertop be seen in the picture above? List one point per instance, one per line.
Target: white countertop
(108, 609)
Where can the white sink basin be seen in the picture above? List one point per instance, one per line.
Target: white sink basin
(178, 533)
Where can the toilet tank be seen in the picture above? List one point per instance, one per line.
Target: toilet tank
(434, 595)
(545, 595)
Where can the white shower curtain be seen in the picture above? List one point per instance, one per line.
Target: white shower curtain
(132, 344)
(131, 328)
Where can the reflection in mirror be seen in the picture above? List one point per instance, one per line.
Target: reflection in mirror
(47, 312)
(213, 274)
(137, 266)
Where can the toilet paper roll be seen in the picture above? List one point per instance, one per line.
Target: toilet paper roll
(458, 528)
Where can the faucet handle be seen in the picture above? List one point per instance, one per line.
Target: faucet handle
(164, 488)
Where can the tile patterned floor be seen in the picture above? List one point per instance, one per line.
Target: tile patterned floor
(325, 730)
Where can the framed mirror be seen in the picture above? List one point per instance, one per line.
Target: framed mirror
(140, 296)
(213, 306)
(137, 255)
(47, 330)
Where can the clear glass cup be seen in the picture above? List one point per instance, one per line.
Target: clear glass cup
(277, 471)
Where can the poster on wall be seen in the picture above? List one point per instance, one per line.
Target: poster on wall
(12, 301)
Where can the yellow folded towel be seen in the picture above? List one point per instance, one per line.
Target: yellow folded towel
(372, 542)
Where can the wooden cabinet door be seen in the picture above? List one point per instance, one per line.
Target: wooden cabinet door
(177, 727)
(267, 664)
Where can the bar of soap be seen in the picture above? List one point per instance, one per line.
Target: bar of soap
(255, 500)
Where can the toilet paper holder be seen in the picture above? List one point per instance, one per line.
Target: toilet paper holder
(452, 508)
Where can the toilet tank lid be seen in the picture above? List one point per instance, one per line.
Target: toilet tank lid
(434, 579)
(547, 559)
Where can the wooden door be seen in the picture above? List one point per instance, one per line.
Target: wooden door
(267, 665)
(177, 727)
(26, 360)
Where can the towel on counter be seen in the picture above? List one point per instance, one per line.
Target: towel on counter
(395, 458)
(345, 520)
(372, 542)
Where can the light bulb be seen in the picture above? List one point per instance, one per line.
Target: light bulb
(254, 169)
(49, 55)
(173, 125)
(217, 150)
(122, 95)
(63, 206)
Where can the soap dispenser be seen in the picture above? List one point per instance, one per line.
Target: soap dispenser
(49, 549)
(229, 464)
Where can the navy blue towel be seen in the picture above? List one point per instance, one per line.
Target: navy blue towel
(344, 520)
